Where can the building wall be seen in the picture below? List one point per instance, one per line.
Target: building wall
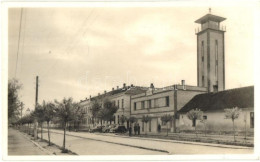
(216, 121)
(202, 65)
(155, 112)
(123, 109)
(216, 36)
(209, 38)
(158, 103)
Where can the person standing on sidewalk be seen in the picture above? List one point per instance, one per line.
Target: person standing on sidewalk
(138, 129)
(159, 128)
(135, 128)
(130, 131)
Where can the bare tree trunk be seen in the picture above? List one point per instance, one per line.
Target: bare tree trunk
(205, 129)
(245, 130)
(234, 130)
(49, 132)
(167, 128)
(64, 138)
(196, 131)
(146, 128)
(41, 131)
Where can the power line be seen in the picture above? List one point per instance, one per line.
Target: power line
(23, 35)
(18, 41)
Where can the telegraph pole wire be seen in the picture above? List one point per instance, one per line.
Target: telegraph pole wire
(18, 46)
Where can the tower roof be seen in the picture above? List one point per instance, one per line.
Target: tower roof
(210, 17)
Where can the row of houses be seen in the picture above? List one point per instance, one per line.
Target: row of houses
(175, 100)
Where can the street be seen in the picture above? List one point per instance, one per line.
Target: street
(84, 143)
(20, 145)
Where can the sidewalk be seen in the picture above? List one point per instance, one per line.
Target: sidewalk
(20, 145)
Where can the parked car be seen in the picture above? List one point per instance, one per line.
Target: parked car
(119, 129)
(107, 128)
(96, 129)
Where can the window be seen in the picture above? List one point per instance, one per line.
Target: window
(194, 122)
(205, 117)
(135, 106)
(202, 51)
(114, 103)
(117, 119)
(167, 101)
(122, 103)
(149, 104)
(142, 105)
(142, 126)
(216, 58)
(118, 104)
(156, 102)
(251, 119)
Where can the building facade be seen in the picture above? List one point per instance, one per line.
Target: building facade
(156, 102)
(213, 105)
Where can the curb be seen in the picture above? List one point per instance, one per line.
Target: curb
(184, 142)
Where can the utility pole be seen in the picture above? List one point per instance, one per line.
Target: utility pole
(36, 105)
(36, 95)
(22, 109)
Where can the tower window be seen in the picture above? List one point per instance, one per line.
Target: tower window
(216, 58)
(135, 106)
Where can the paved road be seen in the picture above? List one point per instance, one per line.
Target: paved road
(99, 144)
(18, 144)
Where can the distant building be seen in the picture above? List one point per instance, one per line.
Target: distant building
(213, 105)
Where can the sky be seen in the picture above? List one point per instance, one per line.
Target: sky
(77, 52)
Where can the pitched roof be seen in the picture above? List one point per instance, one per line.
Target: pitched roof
(240, 97)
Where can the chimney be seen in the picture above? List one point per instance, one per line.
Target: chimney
(124, 85)
(132, 85)
(89, 96)
(86, 98)
(183, 84)
(151, 85)
(98, 94)
(105, 91)
(117, 87)
(113, 89)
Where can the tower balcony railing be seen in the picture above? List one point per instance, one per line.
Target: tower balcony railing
(221, 28)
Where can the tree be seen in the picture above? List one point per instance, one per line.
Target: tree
(95, 107)
(146, 119)
(13, 100)
(132, 119)
(122, 119)
(107, 112)
(64, 111)
(166, 119)
(232, 114)
(79, 115)
(194, 115)
(39, 114)
(49, 113)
